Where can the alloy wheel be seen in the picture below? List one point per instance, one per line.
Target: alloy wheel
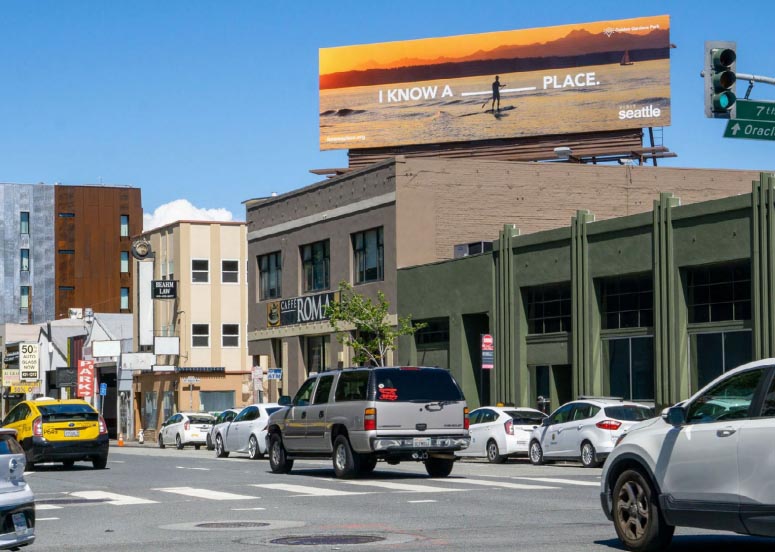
(633, 508)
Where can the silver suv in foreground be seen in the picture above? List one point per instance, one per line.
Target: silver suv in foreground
(362, 415)
(17, 503)
(707, 462)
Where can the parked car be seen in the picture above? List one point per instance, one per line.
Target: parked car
(246, 432)
(67, 431)
(17, 503)
(586, 430)
(185, 428)
(706, 462)
(221, 419)
(360, 415)
(498, 432)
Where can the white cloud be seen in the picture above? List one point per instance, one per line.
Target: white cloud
(181, 209)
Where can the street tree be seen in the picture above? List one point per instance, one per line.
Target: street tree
(364, 326)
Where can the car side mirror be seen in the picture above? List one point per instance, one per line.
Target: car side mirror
(285, 400)
(675, 416)
(546, 422)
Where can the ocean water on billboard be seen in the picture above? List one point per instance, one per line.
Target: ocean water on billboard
(355, 117)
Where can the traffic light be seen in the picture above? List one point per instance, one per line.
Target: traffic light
(720, 79)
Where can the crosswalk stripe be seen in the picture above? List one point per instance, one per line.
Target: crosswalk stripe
(112, 498)
(403, 487)
(47, 507)
(505, 485)
(205, 493)
(560, 481)
(304, 490)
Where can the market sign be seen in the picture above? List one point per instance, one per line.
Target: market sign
(28, 361)
(589, 77)
(164, 289)
(299, 310)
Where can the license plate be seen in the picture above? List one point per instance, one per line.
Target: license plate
(72, 433)
(19, 523)
(194, 435)
(421, 442)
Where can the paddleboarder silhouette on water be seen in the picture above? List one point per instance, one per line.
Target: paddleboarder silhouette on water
(496, 93)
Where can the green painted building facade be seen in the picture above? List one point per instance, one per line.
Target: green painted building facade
(649, 307)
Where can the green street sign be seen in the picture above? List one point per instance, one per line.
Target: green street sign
(755, 111)
(755, 130)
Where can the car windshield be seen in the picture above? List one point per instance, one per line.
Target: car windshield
(200, 419)
(65, 412)
(397, 384)
(629, 413)
(526, 417)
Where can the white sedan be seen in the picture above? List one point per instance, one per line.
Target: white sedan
(246, 432)
(185, 428)
(498, 432)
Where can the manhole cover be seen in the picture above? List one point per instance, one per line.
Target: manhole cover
(327, 539)
(231, 525)
(71, 500)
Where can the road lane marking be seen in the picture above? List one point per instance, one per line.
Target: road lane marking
(45, 519)
(47, 507)
(205, 493)
(504, 484)
(419, 501)
(560, 481)
(403, 487)
(112, 498)
(304, 490)
(246, 509)
(187, 468)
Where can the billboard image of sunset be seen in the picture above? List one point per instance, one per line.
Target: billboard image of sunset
(589, 77)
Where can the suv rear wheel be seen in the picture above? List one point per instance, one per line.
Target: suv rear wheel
(637, 519)
(439, 467)
(346, 463)
(278, 461)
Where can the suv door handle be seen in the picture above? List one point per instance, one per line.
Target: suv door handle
(304, 414)
(321, 414)
(726, 432)
(580, 427)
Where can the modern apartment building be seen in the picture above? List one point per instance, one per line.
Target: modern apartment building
(190, 309)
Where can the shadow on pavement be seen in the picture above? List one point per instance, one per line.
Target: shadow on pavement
(707, 543)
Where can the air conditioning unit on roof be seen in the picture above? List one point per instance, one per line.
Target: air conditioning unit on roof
(473, 248)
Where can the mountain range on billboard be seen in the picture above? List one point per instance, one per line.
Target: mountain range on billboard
(577, 48)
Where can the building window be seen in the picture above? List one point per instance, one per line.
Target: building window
(627, 302)
(719, 293)
(435, 333)
(66, 251)
(66, 215)
(25, 260)
(124, 298)
(229, 272)
(66, 288)
(548, 309)
(124, 226)
(219, 401)
(24, 302)
(714, 353)
(316, 353)
(631, 367)
(125, 261)
(315, 260)
(149, 410)
(230, 335)
(270, 275)
(24, 222)
(368, 256)
(200, 335)
(200, 271)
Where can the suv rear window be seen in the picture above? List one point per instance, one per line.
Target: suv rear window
(64, 412)
(352, 386)
(395, 384)
(629, 413)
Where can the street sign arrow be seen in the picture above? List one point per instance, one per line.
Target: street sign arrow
(754, 130)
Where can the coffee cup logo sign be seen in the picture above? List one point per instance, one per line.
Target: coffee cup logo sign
(299, 310)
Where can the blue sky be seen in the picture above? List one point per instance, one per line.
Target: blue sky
(216, 102)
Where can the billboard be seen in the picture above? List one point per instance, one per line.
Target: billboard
(589, 77)
(29, 361)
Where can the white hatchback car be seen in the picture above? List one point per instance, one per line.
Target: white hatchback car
(246, 432)
(498, 432)
(707, 462)
(185, 428)
(586, 430)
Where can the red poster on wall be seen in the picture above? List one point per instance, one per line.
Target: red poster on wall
(86, 379)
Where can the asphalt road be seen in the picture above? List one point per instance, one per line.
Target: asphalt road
(151, 499)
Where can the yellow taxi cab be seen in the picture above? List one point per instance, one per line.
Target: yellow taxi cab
(66, 431)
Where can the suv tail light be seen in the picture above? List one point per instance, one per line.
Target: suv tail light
(370, 419)
(186, 426)
(103, 426)
(509, 426)
(466, 424)
(610, 425)
(37, 427)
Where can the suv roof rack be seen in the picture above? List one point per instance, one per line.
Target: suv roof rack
(593, 397)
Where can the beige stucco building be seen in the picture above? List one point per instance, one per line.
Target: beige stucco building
(191, 314)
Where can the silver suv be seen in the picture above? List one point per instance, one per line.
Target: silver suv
(17, 503)
(361, 415)
(707, 462)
